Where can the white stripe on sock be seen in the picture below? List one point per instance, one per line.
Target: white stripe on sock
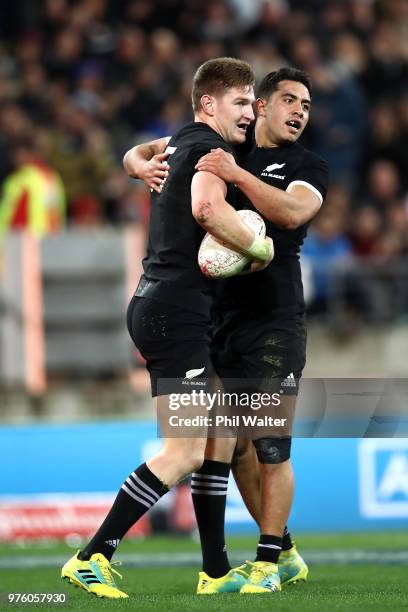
(145, 486)
(205, 492)
(140, 491)
(210, 485)
(208, 477)
(136, 497)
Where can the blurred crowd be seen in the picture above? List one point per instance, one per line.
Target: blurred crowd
(82, 81)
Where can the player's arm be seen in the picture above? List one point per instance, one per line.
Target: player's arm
(216, 216)
(147, 162)
(288, 209)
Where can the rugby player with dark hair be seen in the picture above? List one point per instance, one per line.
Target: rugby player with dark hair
(260, 332)
(169, 317)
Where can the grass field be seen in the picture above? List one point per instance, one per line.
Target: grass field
(338, 585)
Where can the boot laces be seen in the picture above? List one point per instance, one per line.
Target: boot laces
(259, 572)
(107, 571)
(241, 569)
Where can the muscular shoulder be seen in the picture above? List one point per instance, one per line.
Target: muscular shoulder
(311, 169)
(282, 166)
(197, 134)
(312, 159)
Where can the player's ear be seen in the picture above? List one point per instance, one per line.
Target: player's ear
(207, 104)
(260, 105)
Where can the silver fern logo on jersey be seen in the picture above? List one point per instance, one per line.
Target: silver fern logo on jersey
(274, 167)
(269, 171)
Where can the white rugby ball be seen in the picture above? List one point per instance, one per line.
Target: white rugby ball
(216, 260)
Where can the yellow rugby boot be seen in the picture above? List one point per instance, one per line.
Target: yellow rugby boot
(263, 578)
(292, 567)
(230, 583)
(94, 576)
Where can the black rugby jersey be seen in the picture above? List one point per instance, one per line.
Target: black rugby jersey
(171, 271)
(280, 284)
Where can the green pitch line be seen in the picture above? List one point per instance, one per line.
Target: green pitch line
(156, 544)
(181, 560)
(357, 588)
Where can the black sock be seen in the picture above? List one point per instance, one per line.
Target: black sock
(269, 548)
(287, 542)
(209, 490)
(138, 494)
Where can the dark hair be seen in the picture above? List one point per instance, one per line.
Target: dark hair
(218, 75)
(270, 83)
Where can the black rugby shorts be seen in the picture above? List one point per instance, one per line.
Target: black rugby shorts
(260, 350)
(175, 342)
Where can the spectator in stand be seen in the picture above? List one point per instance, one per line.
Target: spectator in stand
(338, 125)
(130, 54)
(80, 151)
(34, 93)
(88, 88)
(271, 24)
(14, 124)
(325, 247)
(388, 136)
(387, 71)
(63, 57)
(363, 18)
(126, 201)
(397, 220)
(263, 58)
(365, 231)
(33, 195)
(220, 23)
(383, 185)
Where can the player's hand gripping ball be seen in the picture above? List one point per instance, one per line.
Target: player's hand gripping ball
(216, 260)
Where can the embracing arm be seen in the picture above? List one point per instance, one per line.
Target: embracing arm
(287, 209)
(216, 216)
(147, 162)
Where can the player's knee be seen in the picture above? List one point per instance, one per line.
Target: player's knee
(195, 462)
(220, 449)
(273, 450)
(186, 456)
(194, 459)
